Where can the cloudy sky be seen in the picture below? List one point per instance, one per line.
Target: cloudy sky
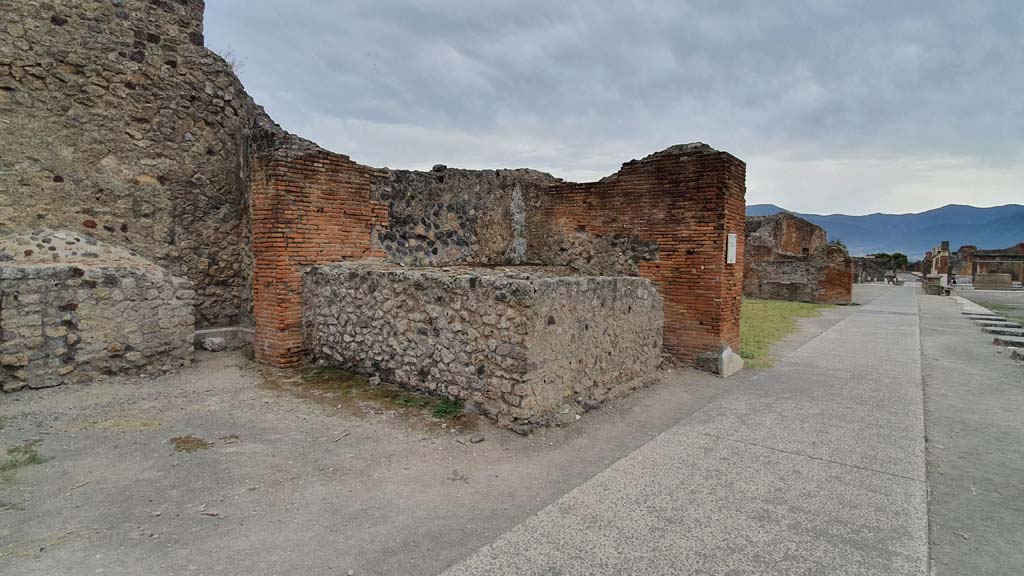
(836, 106)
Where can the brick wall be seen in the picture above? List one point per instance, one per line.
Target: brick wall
(685, 200)
(309, 206)
(836, 284)
(787, 258)
(667, 214)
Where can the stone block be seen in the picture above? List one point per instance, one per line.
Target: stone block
(552, 337)
(214, 344)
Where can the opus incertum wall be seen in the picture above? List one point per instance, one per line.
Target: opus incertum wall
(524, 345)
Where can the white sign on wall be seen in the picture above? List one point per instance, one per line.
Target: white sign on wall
(730, 249)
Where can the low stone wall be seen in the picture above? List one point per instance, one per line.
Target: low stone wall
(81, 309)
(993, 282)
(522, 345)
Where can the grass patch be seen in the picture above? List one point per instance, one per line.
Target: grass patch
(21, 456)
(447, 408)
(335, 384)
(189, 443)
(765, 322)
(1011, 312)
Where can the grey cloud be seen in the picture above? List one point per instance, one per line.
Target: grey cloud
(576, 87)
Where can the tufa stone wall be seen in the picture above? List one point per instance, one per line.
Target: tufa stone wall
(119, 123)
(523, 345)
(72, 308)
(787, 259)
(665, 217)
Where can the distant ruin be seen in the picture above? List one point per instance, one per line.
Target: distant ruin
(122, 128)
(969, 266)
(789, 258)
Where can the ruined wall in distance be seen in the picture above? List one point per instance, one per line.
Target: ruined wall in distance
(787, 258)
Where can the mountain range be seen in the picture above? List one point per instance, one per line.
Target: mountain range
(915, 234)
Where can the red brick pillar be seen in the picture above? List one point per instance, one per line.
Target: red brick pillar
(687, 200)
(309, 206)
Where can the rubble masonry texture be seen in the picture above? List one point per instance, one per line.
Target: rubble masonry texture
(72, 308)
(523, 345)
(119, 123)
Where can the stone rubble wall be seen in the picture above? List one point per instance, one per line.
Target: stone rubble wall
(788, 258)
(522, 345)
(993, 281)
(452, 216)
(867, 269)
(825, 277)
(785, 234)
(80, 309)
(118, 122)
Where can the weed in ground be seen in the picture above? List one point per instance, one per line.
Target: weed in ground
(446, 408)
(21, 456)
(189, 443)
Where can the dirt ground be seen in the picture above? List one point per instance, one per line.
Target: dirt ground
(226, 468)
(229, 468)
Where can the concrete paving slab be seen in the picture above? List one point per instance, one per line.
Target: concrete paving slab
(830, 400)
(688, 503)
(974, 400)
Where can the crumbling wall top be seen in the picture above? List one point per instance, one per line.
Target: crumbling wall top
(46, 247)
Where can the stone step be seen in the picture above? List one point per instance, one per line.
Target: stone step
(981, 315)
(1011, 341)
(997, 324)
(1003, 331)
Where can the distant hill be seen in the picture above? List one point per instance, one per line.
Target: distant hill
(915, 234)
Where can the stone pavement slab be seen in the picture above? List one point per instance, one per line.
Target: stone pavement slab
(1011, 341)
(688, 503)
(1003, 331)
(814, 467)
(974, 399)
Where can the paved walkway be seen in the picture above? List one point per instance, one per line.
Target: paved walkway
(974, 395)
(814, 467)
